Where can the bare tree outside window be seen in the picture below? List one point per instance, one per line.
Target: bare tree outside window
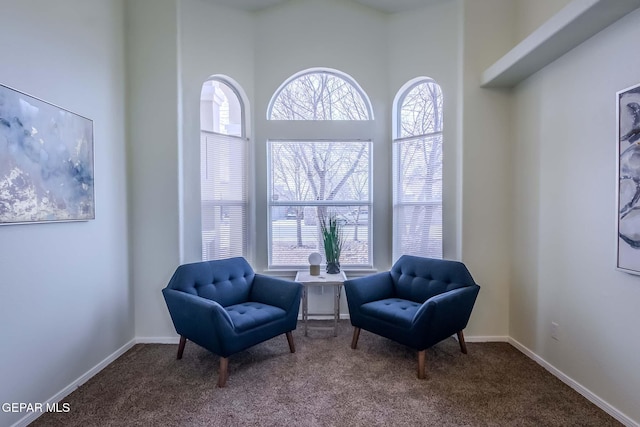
(418, 162)
(319, 96)
(421, 112)
(310, 179)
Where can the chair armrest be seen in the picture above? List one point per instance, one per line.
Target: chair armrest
(194, 316)
(369, 288)
(447, 313)
(275, 291)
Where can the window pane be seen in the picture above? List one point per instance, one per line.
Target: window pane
(419, 229)
(421, 111)
(312, 170)
(222, 171)
(420, 169)
(309, 179)
(417, 216)
(295, 233)
(319, 96)
(220, 109)
(223, 227)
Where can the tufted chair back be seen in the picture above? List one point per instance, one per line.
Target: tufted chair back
(226, 281)
(418, 279)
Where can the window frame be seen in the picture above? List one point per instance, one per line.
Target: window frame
(398, 139)
(246, 203)
(330, 130)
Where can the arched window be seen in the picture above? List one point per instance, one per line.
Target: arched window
(417, 164)
(320, 94)
(313, 176)
(223, 169)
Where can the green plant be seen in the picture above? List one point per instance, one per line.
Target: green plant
(332, 239)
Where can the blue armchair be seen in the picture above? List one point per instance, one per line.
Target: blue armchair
(419, 303)
(225, 307)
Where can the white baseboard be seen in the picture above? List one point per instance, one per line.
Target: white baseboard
(30, 417)
(600, 403)
(157, 340)
(487, 338)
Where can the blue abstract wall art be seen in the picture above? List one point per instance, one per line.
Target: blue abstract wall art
(629, 180)
(46, 161)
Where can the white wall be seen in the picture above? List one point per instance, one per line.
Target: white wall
(564, 170)
(486, 183)
(433, 50)
(65, 300)
(152, 67)
(531, 14)
(173, 47)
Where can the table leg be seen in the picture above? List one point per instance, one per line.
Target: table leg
(336, 310)
(305, 309)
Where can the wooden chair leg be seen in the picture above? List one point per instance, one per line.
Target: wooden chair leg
(292, 346)
(224, 372)
(422, 362)
(463, 345)
(183, 341)
(356, 335)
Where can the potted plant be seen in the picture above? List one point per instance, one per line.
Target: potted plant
(332, 240)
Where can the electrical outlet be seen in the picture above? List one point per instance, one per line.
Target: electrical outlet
(555, 331)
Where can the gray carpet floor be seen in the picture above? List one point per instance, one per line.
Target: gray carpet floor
(326, 383)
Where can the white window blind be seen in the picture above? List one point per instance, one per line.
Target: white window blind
(223, 170)
(223, 195)
(417, 161)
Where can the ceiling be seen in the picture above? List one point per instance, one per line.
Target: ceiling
(389, 6)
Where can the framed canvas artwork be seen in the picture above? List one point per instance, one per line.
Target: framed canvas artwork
(628, 182)
(46, 161)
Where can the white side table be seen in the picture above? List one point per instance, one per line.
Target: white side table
(335, 281)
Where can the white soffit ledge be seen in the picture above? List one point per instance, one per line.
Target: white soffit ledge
(565, 30)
